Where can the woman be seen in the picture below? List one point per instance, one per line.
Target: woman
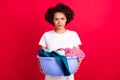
(59, 16)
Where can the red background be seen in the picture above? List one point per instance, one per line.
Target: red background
(22, 24)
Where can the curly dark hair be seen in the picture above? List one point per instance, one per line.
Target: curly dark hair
(59, 8)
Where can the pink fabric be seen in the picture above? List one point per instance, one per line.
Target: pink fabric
(70, 52)
(74, 52)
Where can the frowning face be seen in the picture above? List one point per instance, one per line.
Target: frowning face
(59, 20)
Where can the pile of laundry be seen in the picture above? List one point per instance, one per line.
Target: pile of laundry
(61, 56)
(70, 52)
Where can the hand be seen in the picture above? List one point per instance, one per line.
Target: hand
(79, 62)
(40, 67)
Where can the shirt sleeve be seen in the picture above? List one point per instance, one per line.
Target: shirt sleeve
(77, 40)
(42, 41)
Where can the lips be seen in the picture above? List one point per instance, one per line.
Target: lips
(60, 25)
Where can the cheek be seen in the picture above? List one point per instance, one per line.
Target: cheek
(65, 21)
(55, 22)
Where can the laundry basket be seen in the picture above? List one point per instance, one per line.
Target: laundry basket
(50, 66)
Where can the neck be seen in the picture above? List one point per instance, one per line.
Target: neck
(60, 31)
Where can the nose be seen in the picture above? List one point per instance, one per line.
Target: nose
(59, 21)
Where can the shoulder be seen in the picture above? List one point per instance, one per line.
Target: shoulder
(72, 32)
(48, 33)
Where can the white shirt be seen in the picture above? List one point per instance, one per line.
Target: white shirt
(54, 41)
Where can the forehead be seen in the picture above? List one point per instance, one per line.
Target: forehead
(59, 15)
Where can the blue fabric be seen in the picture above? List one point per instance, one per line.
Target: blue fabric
(62, 60)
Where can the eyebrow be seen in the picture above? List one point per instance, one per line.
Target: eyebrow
(59, 18)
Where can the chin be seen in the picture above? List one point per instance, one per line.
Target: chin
(60, 27)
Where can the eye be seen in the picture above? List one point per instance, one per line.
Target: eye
(56, 19)
(62, 18)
